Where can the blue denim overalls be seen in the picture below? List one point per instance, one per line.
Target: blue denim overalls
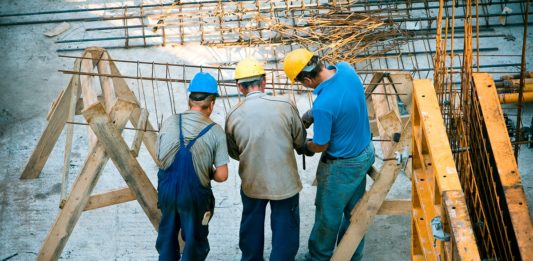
(183, 201)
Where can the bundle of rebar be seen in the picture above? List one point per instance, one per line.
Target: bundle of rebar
(341, 36)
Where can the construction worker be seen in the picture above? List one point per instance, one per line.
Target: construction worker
(342, 133)
(262, 132)
(192, 150)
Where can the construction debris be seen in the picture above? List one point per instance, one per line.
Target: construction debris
(59, 29)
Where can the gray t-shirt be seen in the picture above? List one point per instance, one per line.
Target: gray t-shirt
(262, 132)
(209, 150)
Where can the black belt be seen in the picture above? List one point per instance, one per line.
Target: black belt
(326, 157)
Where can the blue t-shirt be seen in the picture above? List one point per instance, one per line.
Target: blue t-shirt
(340, 113)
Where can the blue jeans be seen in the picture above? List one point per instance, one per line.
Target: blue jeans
(285, 224)
(341, 183)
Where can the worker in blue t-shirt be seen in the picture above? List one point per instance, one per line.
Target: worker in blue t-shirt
(342, 133)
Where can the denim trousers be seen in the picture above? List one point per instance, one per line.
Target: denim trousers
(341, 184)
(285, 224)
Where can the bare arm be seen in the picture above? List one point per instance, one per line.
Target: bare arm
(316, 148)
(221, 173)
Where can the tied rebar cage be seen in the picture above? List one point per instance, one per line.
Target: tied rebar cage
(479, 140)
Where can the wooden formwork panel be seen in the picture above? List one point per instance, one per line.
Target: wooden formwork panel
(436, 189)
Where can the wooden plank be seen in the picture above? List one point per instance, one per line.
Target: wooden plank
(126, 163)
(79, 104)
(382, 105)
(108, 91)
(124, 92)
(373, 173)
(149, 137)
(404, 84)
(376, 78)
(391, 124)
(56, 121)
(137, 140)
(374, 123)
(54, 103)
(395, 207)
(68, 140)
(109, 198)
(68, 216)
(366, 209)
(88, 93)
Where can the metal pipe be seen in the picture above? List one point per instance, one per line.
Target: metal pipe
(506, 98)
(85, 19)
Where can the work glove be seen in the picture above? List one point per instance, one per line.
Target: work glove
(307, 119)
(305, 150)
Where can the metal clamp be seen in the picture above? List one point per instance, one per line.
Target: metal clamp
(402, 158)
(438, 232)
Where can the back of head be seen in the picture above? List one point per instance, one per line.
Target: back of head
(201, 100)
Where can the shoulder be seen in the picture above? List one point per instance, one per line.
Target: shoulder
(171, 119)
(234, 109)
(280, 100)
(346, 67)
(218, 130)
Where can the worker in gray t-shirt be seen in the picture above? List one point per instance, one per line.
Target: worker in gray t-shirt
(262, 133)
(192, 150)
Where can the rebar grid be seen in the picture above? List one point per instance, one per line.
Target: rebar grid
(467, 132)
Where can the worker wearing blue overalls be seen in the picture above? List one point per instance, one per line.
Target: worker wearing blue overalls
(342, 133)
(192, 150)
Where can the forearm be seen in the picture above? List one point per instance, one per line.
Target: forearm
(316, 148)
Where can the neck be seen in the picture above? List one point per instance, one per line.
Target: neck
(253, 89)
(325, 74)
(199, 109)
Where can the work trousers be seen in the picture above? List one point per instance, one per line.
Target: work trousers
(341, 183)
(285, 225)
(195, 235)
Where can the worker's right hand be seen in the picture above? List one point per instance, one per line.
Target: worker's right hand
(307, 119)
(305, 150)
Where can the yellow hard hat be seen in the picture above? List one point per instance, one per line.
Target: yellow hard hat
(295, 61)
(247, 68)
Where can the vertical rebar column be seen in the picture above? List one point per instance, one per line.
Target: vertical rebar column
(522, 84)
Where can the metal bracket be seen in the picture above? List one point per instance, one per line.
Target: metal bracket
(438, 232)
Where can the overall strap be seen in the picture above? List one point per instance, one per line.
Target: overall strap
(204, 131)
(182, 140)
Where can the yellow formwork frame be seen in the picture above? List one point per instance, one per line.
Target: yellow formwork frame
(436, 190)
(512, 216)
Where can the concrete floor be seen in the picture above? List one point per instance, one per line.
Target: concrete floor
(28, 208)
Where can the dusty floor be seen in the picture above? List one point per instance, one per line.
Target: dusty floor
(28, 208)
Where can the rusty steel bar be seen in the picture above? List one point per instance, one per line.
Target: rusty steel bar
(521, 96)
